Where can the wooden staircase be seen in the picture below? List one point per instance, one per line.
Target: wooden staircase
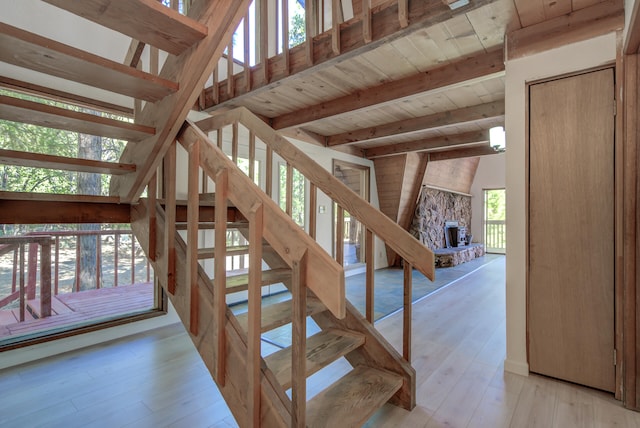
(176, 235)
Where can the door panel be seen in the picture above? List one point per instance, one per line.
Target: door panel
(571, 229)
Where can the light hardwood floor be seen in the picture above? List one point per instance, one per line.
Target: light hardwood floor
(157, 379)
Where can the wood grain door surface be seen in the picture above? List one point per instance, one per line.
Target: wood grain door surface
(571, 229)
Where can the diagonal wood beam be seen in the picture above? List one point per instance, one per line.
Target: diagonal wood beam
(417, 124)
(464, 139)
(385, 27)
(467, 71)
(38, 160)
(191, 69)
(465, 152)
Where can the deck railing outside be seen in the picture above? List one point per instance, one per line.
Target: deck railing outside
(495, 237)
(48, 264)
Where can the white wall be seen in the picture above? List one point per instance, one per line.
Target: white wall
(489, 175)
(566, 59)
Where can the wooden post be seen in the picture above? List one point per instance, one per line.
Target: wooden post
(255, 312)
(77, 285)
(22, 288)
(45, 280)
(133, 259)
(366, 21)
(289, 190)
(193, 208)
(56, 263)
(370, 281)
(252, 156)
(234, 143)
(403, 13)
(219, 136)
(264, 39)
(14, 272)
(269, 172)
(98, 259)
(116, 251)
(340, 235)
(313, 208)
(247, 54)
(170, 216)
(32, 271)
(220, 273)
(336, 7)
(285, 37)
(214, 86)
(152, 194)
(299, 342)
(310, 27)
(230, 79)
(406, 320)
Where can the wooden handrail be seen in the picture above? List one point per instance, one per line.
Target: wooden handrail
(323, 276)
(389, 231)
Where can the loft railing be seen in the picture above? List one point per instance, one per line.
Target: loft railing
(375, 223)
(41, 256)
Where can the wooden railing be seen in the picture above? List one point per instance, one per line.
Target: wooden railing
(311, 266)
(495, 235)
(376, 223)
(25, 266)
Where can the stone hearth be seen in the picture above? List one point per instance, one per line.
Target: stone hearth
(448, 257)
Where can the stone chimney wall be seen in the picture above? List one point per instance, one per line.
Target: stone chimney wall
(434, 208)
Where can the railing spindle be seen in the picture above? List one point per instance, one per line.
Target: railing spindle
(220, 272)
(264, 40)
(336, 7)
(299, 342)
(370, 280)
(310, 27)
(152, 194)
(285, 37)
(230, 76)
(133, 259)
(45, 279)
(57, 267)
(406, 320)
(269, 172)
(193, 208)
(14, 272)
(32, 271)
(116, 251)
(403, 13)
(22, 287)
(289, 190)
(234, 143)
(247, 48)
(255, 312)
(366, 21)
(313, 207)
(252, 156)
(340, 235)
(170, 217)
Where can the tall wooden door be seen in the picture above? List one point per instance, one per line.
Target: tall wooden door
(571, 229)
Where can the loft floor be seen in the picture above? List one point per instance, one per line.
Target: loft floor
(157, 379)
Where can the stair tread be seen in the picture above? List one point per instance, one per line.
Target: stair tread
(57, 59)
(279, 314)
(240, 282)
(351, 400)
(35, 113)
(156, 24)
(323, 348)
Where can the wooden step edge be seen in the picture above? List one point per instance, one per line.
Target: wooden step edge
(279, 314)
(240, 250)
(208, 225)
(237, 283)
(336, 406)
(323, 349)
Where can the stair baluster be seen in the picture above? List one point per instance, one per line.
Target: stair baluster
(193, 211)
(220, 272)
(299, 342)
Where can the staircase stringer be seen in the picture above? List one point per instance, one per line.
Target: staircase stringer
(275, 405)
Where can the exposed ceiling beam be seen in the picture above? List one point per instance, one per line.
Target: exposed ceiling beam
(601, 18)
(385, 27)
(465, 152)
(38, 160)
(467, 71)
(464, 139)
(418, 124)
(632, 41)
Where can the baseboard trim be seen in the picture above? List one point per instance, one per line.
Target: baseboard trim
(516, 367)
